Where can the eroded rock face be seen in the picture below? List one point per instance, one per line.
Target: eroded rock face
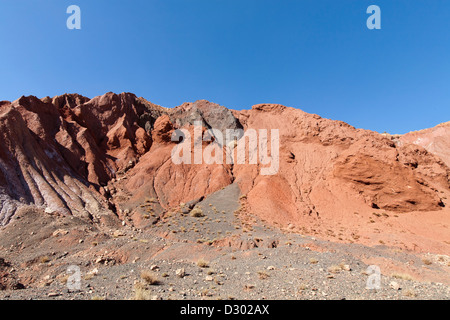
(56, 153)
(210, 115)
(112, 133)
(112, 155)
(34, 172)
(328, 166)
(168, 184)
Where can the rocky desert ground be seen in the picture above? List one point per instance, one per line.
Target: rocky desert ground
(90, 184)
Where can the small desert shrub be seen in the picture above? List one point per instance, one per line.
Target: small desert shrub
(248, 287)
(313, 261)
(302, 287)
(202, 263)
(64, 279)
(410, 293)
(426, 261)
(206, 293)
(334, 269)
(89, 276)
(149, 277)
(263, 275)
(355, 236)
(197, 212)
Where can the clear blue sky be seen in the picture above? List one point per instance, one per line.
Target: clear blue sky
(317, 55)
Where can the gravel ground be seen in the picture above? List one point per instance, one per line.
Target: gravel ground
(221, 254)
